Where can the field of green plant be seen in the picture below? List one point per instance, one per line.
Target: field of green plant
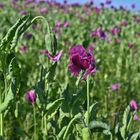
(68, 72)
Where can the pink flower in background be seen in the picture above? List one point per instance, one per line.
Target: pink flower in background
(135, 117)
(114, 31)
(66, 24)
(23, 49)
(115, 86)
(133, 105)
(130, 45)
(30, 96)
(22, 12)
(81, 60)
(52, 58)
(43, 10)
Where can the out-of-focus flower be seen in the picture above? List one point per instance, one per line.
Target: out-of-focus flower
(101, 34)
(30, 96)
(66, 24)
(97, 10)
(28, 36)
(133, 105)
(52, 58)
(130, 45)
(114, 31)
(43, 10)
(108, 2)
(22, 12)
(1, 5)
(23, 49)
(135, 117)
(133, 6)
(81, 60)
(115, 86)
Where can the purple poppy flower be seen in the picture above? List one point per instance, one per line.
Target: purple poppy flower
(81, 60)
(101, 34)
(66, 24)
(1, 5)
(22, 12)
(28, 36)
(23, 49)
(130, 45)
(133, 6)
(53, 58)
(115, 86)
(135, 117)
(30, 96)
(133, 105)
(43, 10)
(114, 31)
(108, 2)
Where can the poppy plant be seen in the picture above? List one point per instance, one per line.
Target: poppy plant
(80, 59)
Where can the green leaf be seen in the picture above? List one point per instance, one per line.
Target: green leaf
(135, 136)
(126, 119)
(92, 111)
(52, 107)
(9, 97)
(77, 116)
(6, 41)
(100, 126)
(14, 72)
(85, 133)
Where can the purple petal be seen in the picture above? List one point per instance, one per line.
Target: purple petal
(53, 58)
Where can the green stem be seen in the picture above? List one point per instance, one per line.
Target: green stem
(1, 124)
(34, 111)
(88, 107)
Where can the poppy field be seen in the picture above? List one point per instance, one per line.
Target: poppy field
(69, 71)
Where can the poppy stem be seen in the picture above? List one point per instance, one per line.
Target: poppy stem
(34, 110)
(88, 107)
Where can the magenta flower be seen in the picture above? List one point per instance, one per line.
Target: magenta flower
(30, 96)
(133, 105)
(66, 24)
(114, 31)
(53, 58)
(115, 86)
(135, 117)
(81, 60)
(101, 34)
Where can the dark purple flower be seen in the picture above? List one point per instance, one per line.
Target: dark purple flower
(108, 2)
(53, 58)
(115, 86)
(133, 6)
(30, 96)
(101, 34)
(133, 105)
(81, 60)
(28, 36)
(135, 117)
